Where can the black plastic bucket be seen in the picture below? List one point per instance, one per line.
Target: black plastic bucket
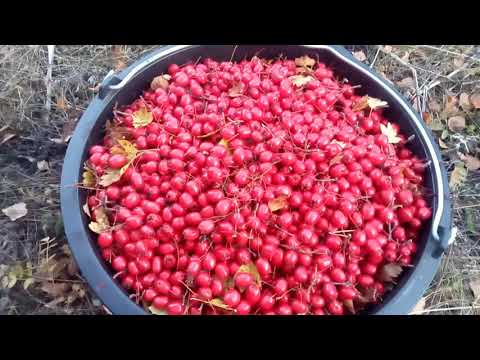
(123, 88)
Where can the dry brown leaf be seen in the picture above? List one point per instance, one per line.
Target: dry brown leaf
(250, 268)
(450, 105)
(367, 295)
(475, 286)
(458, 175)
(464, 102)
(55, 290)
(475, 100)
(236, 90)
(390, 132)
(427, 118)
(456, 123)
(161, 82)
(369, 102)
(360, 56)
(301, 80)
(111, 176)
(89, 178)
(101, 222)
(387, 49)
(141, 118)
(390, 272)
(305, 62)
(278, 203)
(408, 82)
(116, 132)
(16, 211)
(62, 103)
(472, 163)
(417, 309)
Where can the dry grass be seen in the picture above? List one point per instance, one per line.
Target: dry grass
(437, 72)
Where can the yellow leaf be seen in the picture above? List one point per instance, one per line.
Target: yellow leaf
(89, 179)
(142, 118)
(305, 61)
(250, 268)
(161, 81)
(110, 177)
(220, 304)
(301, 80)
(458, 176)
(101, 224)
(390, 132)
(156, 311)
(28, 282)
(369, 102)
(129, 149)
(278, 203)
(225, 144)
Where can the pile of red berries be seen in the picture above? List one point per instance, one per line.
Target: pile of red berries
(259, 187)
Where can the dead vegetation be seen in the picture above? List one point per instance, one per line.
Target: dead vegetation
(37, 272)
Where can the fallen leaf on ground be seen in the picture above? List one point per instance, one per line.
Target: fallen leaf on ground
(390, 132)
(458, 61)
(55, 290)
(427, 117)
(16, 211)
(472, 163)
(43, 165)
(458, 175)
(408, 82)
(118, 57)
(387, 49)
(278, 203)
(390, 272)
(456, 123)
(464, 102)
(450, 105)
(475, 286)
(417, 309)
(475, 100)
(161, 82)
(62, 103)
(142, 117)
(360, 55)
